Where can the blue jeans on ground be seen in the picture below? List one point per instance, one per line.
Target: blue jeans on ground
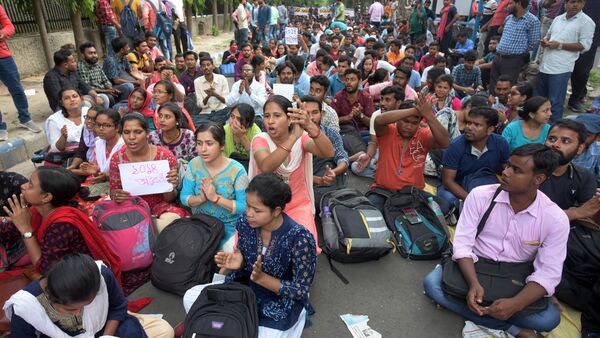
(125, 89)
(9, 75)
(369, 171)
(110, 33)
(554, 87)
(544, 321)
(447, 196)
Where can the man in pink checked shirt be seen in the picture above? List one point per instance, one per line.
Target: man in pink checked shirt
(524, 225)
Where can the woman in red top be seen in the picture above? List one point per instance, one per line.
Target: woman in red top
(134, 131)
(50, 228)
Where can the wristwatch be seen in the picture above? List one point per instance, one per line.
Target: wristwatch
(27, 235)
(560, 46)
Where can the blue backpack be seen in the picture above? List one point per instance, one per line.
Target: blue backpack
(418, 232)
(163, 27)
(129, 21)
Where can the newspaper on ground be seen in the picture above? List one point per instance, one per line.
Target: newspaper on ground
(472, 330)
(357, 324)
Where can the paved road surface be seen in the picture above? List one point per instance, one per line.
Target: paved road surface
(389, 291)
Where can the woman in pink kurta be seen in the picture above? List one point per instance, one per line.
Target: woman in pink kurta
(286, 149)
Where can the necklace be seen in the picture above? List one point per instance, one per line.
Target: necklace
(174, 139)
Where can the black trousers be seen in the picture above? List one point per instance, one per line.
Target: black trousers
(181, 40)
(581, 74)
(510, 65)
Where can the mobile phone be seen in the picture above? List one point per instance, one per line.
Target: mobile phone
(294, 104)
(411, 215)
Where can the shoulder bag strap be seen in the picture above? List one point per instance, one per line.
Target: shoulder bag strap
(485, 217)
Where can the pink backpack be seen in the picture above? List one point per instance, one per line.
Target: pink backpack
(129, 231)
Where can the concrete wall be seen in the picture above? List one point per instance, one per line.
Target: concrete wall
(29, 55)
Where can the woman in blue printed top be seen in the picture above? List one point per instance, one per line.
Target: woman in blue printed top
(78, 298)
(214, 184)
(276, 255)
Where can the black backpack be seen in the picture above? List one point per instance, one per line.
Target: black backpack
(129, 21)
(417, 230)
(223, 310)
(355, 230)
(184, 253)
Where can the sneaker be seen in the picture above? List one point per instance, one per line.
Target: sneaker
(31, 126)
(576, 107)
(3, 135)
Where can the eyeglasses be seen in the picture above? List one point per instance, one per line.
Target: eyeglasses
(104, 126)
(89, 118)
(159, 91)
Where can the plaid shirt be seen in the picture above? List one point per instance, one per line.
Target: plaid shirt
(338, 145)
(466, 78)
(105, 14)
(93, 75)
(520, 35)
(113, 67)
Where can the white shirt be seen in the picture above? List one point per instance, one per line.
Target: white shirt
(242, 17)
(221, 87)
(426, 72)
(257, 98)
(578, 29)
(359, 54)
(54, 124)
(178, 7)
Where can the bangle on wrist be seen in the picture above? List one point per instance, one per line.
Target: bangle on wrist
(216, 199)
(284, 148)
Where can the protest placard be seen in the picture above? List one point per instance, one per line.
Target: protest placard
(145, 178)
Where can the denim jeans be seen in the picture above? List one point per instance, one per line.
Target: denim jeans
(242, 36)
(273, 32)
(9, 75)
(110, 33)
(125, 89)
(263, 37)
(447, 196)
(554, 87)
(166, 47)
(544, 321)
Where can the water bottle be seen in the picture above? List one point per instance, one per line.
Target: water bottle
(329, 229)
(437, 210)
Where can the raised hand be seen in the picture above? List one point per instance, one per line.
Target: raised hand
(230, 260)
(257, 272)
(19, 213)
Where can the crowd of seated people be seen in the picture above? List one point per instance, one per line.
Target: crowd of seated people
(372, 101)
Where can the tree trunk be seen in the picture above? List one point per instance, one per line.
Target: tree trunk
(188, 18)
(39, 19)
(77, 28)
(226, 17)
(215, 13)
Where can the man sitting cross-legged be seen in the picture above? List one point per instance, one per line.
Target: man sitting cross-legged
(524, 225)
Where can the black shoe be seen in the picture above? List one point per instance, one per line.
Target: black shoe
(576, 107)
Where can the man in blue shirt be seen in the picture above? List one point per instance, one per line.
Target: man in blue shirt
(590, 158)
(467, 77)
(264, 18)
(474, 158)
(337, 80)
(520, 36)
(463, 44)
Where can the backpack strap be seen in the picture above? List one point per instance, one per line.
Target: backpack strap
(485, 217)
(129, 3)
(334, 269)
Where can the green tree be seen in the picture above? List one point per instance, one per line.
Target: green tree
(77, 8)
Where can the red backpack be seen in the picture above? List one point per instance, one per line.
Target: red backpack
(128, 230)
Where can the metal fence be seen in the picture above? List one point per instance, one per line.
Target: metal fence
(56, 17)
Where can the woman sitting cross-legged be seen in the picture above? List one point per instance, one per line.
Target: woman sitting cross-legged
(78, 298)
(276, 254)
(134, 130)
(214, 184)
(50, 228)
